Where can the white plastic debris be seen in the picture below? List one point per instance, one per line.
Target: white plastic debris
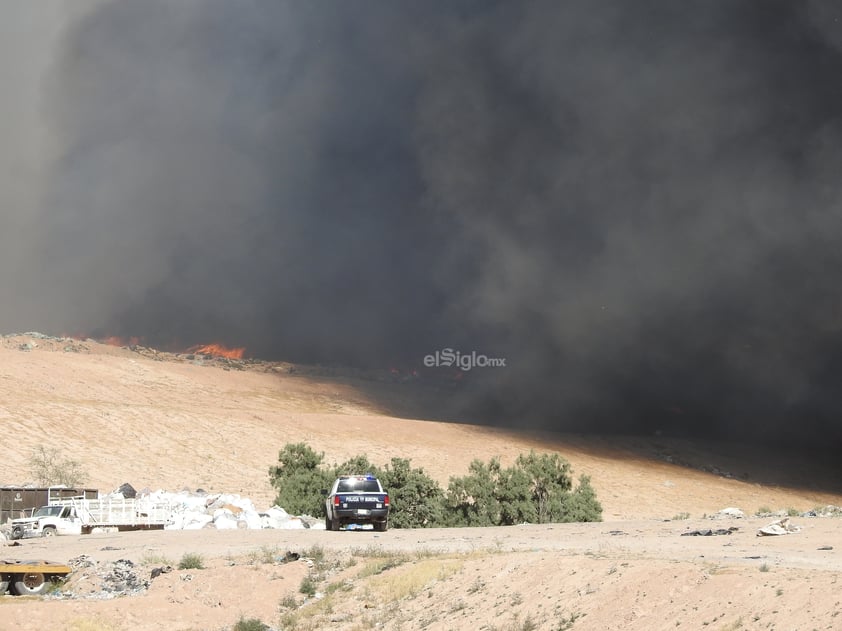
(224, 511)
(779, 527)
(730, 513)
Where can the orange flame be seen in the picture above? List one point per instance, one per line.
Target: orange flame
(218, 350)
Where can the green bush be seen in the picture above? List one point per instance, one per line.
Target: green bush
(299, 480)
(416, 499)
(250, 624)
(308, 586)
(471, 499)
(353, 466)
(581, 504)
(537, 489)
(191, 561)
(549, 484)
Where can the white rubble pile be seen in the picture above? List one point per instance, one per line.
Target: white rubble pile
(223, 511)
(828, 511)
(729, 513)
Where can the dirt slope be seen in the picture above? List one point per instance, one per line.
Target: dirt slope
(165, 421)
(640, 576)
(172, 421)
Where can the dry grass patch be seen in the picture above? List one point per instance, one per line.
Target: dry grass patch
(92, 624)
(408, 581)
(156, 558)
(263, 555)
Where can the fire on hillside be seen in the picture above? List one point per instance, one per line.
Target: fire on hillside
(218, 350)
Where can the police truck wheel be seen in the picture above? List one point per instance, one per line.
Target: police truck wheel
(328, 524)
(17, 532)
(31, 584)
(4, 583)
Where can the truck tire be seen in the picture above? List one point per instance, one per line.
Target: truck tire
(31, 584)
(49, 531)
(17, 532)
(381, 526)
(328, 523)
(334, 525)
(4, 583)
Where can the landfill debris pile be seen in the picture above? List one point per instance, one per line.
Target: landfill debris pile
(93, 580)
(194, 510)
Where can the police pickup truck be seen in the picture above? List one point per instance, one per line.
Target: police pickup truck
(354, 501)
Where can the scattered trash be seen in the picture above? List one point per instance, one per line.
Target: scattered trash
(707, 532)
(729, 513)
(828, 511)
(92, 580)
(157, 571)
(127, 490)
(779, 527)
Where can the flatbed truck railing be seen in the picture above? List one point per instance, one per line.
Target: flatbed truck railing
(119, 512)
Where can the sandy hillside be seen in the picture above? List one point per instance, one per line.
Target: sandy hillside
(159, 420)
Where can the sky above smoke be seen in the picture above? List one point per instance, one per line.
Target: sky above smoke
(636, 204)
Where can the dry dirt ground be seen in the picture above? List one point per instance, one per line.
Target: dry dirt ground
(160, 420)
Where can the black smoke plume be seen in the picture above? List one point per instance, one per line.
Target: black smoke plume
(637, 204)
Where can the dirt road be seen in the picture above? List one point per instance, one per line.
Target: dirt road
(620, 575)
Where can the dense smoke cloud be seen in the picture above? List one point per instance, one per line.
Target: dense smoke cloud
(636, 204)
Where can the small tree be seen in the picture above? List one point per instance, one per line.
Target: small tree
(299, 480)
(514, 497)
(415, 497)
(581, 504)
(537, 488)
(471, 500)
(353, 466)
(50, 468)
(549, 482)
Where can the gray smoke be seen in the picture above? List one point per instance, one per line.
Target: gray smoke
(636, 204)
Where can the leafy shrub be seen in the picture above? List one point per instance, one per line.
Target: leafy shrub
(538, 488)
(191, 561)
(471, 499)
(308, 586)
(250, 624)
(299, 480)
(416, 499)
(581, 504)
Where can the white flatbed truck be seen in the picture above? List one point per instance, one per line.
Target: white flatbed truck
(77, 516)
